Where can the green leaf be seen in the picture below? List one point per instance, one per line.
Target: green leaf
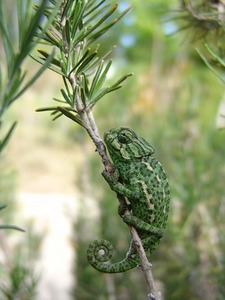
(93, 7)
(96, 77)
(51, 37)
(97, 12)
(219, 59)
(81, 60)
(45, 65)
(28, 28)
(92, 28)
(68, 90)
(103, 30)
(48, 108)
(108, 90)
(65, 96)
(6, 139)
(86, 62)
(122, 79)
(11, 227)
(95, 63)
(8, 48)
(2, 207)
(13, 87)
(68, 6)
(84, 90)
(77, 18)
(76, 118)
(210, 66)
(42, 10)
(100, 77)
(46, 55)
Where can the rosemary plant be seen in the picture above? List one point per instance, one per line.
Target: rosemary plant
(73, 35)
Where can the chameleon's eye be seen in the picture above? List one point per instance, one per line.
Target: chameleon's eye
(124, 137)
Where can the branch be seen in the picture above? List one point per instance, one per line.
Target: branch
(154, 294)
(91, 127)
(146, 267)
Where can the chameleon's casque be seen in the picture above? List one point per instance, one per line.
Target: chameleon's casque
(140, 178)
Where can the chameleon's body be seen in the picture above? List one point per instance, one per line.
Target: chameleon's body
(141, 179)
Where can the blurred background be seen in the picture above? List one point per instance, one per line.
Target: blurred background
(51, 175)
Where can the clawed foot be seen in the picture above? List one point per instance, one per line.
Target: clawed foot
(122, 208)
(111, 178)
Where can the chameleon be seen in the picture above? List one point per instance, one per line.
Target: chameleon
(141, 179)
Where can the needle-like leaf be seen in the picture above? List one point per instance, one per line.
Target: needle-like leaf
(7, 137)
(76, 118)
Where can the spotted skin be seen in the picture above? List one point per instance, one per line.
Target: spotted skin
(140, 178)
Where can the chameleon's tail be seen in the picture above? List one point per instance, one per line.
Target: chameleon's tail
(99, 252)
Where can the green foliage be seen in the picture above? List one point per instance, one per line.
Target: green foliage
(7, 137)
(202, 20)
(18, 40)
(19, 278)
(74, 32)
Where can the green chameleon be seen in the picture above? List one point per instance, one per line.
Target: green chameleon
(140, 178)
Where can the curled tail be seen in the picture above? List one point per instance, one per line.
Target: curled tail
(100, 252)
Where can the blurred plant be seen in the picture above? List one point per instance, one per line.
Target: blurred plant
(9, 226)
(19, 278)
(18, 41)
(205, 22)
(18, 275)
(205, 18)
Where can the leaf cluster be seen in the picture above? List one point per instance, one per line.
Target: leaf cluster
(74, 32)
(16, 48)
(202, 18)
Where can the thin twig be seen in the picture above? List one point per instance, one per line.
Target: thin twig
(145, 265)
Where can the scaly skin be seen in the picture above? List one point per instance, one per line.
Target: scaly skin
(145, 186)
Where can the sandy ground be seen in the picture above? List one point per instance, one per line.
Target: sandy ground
(50, 212)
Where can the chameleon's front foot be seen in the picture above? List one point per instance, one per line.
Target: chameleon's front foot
(111, 178)
(123, 208)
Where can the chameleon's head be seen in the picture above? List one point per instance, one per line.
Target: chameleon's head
(123, 144)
